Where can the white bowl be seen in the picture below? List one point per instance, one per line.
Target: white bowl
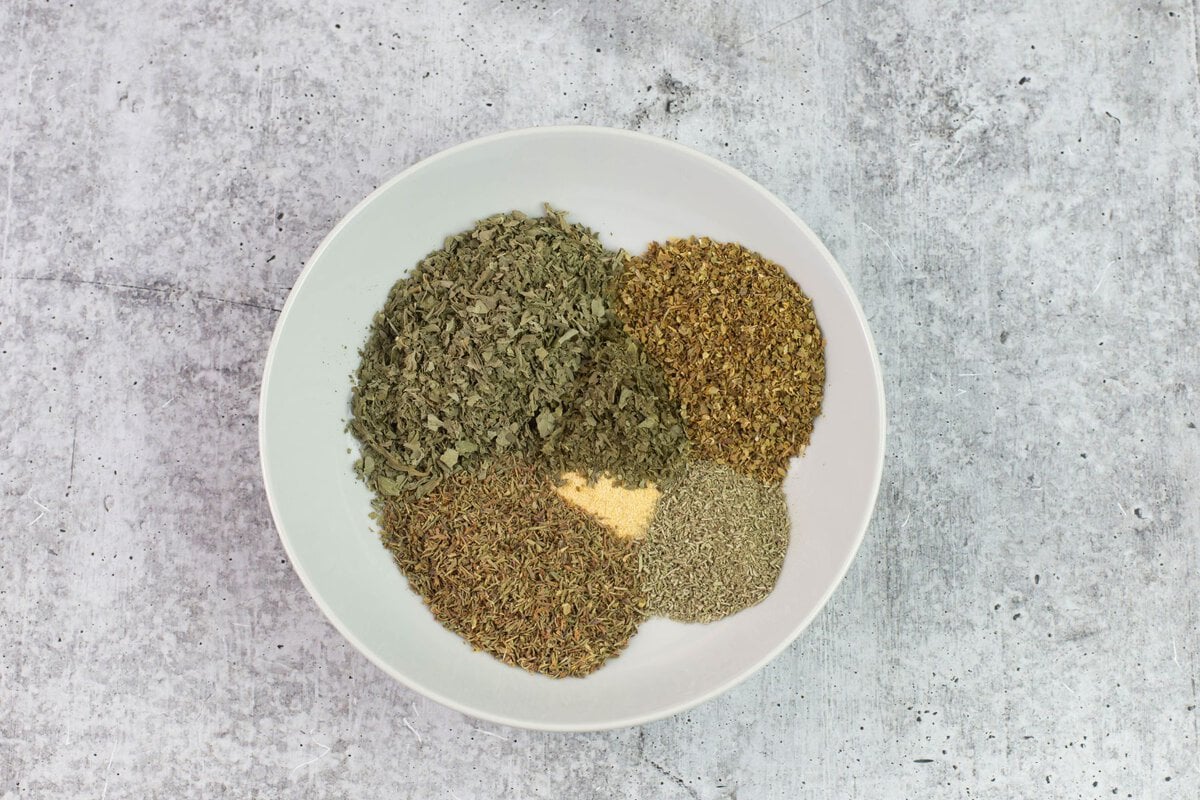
(631, 189)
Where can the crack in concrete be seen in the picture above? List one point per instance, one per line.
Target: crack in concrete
(163, 290)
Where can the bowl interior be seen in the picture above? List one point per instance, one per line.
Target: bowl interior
(631, 189)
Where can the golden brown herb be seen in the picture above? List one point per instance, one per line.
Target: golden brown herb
(740, 346)
(507, 564)
(716, 544)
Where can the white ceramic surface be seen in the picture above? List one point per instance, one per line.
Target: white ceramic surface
(631, 189)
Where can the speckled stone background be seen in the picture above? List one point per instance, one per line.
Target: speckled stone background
(1011, 186)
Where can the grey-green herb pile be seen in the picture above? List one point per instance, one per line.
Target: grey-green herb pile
(473, 352)
(716, 544)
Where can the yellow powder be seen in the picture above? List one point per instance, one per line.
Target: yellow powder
(627, 512)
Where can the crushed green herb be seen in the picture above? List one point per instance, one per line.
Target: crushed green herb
(618, 419)
(716, 544)
(740, 346)
(507, 564)
(473, 352)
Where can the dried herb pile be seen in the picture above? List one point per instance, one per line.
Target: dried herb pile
(618, 419)
(529, 404)
(716, 545)
(503, 562)
(472, 354)
(740, 346)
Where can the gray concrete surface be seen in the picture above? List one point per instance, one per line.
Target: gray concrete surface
(1011, 186)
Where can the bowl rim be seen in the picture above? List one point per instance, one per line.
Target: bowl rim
(630, 721)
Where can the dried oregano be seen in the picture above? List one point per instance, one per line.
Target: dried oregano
(504, 562)
(473, 352)
(716, 544)
(740, 346)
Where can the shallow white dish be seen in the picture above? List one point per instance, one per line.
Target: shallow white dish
(631, 189)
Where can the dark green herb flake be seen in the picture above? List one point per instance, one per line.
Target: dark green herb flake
(473, 353)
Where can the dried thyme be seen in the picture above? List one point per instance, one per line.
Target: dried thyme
(508, 565)
(473, 352)
(716, 544)
(740, 346)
